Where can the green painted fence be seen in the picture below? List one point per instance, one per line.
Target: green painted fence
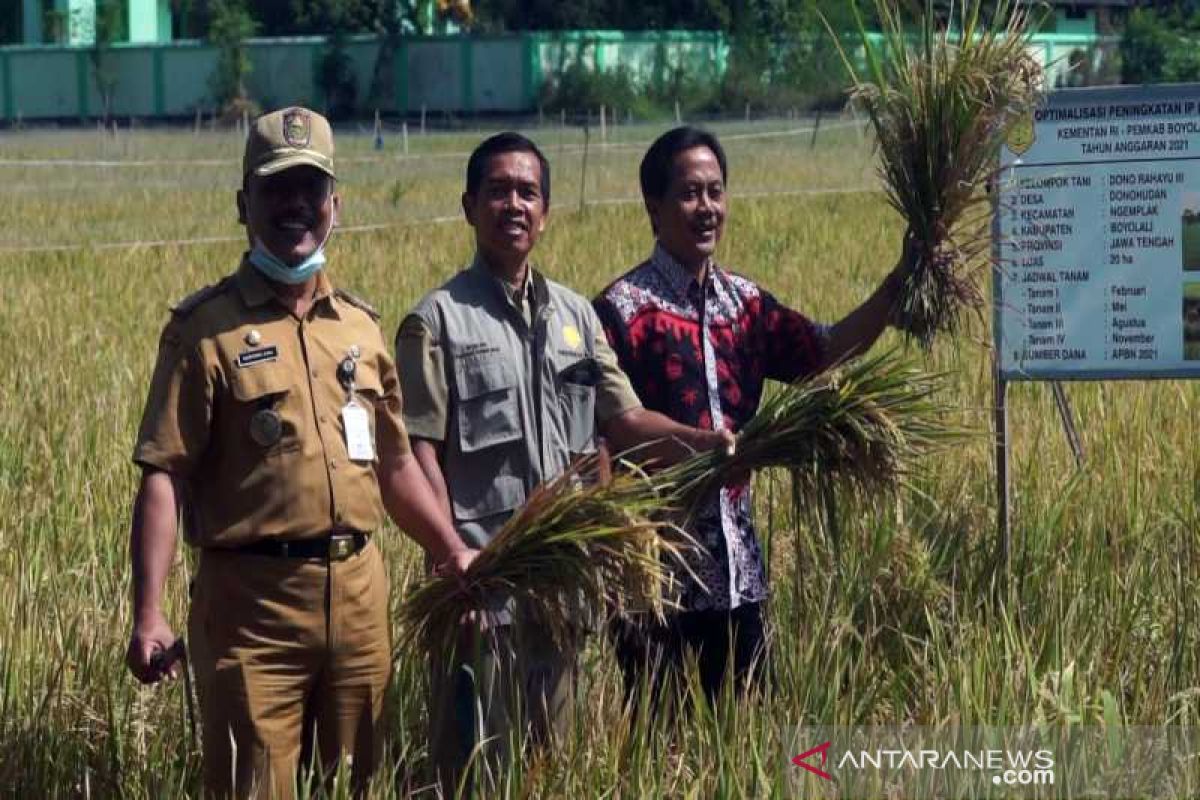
(452, 73)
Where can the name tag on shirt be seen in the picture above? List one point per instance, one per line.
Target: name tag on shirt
(249, 358)
(359, 443)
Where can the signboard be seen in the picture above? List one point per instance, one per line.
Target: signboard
(1098, 229)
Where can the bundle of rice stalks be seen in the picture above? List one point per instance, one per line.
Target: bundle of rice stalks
(941, 102)
(858, 428)
(577, 547)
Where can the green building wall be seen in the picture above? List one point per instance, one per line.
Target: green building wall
(448, 73)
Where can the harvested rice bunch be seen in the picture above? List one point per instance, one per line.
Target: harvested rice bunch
(860, 428)
(941, 100)
(578, 546)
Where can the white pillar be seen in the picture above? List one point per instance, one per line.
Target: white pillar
(149, 20)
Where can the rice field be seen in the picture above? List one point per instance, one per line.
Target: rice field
(896, 615)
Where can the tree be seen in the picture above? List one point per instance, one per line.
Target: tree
(108, 27)
(1159, 46)
(509, 15)
(335, 70)
(783, 56)
(230, 25)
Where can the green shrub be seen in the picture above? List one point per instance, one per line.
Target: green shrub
(337, 79)
(1160, 47)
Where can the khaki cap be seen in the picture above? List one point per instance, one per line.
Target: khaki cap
(289, 137)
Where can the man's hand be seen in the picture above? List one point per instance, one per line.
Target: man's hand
(457, 562)
(722, 440)
(152, 655)
(726, 442)
(660, 440)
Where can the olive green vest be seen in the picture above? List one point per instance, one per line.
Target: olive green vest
(522, 400)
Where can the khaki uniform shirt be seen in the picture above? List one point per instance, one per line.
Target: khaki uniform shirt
(232, 352)
(510, 401)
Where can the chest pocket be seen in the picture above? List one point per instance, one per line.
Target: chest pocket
(261, 415)
(577, 403)
(489, 412)
(368, 392)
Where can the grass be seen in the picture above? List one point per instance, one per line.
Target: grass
(896, 620)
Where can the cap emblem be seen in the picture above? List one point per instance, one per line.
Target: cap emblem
(297, 129)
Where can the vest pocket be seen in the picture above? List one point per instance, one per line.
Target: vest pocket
(579, 416)
(487, 496)
(488, 410)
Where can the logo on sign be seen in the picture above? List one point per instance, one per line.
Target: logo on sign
(1020, 136)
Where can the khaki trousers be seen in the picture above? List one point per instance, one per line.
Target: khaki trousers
(291, 658)
(499, 691)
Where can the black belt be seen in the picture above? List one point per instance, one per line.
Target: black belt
(334, 546)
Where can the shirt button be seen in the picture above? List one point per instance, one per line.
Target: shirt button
(321, 419)
(333, 465)
(314, 373)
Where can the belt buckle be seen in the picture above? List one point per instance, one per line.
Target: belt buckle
(341, 546)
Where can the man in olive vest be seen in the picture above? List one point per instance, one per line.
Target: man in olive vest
(507, 376)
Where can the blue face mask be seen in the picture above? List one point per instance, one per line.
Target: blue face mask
(272, 267)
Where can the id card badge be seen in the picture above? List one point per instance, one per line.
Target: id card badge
(359, 444)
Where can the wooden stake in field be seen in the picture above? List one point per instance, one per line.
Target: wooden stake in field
(587, 135)
(603, 126)
(422, 119)
(940, 100)
(404, 135)
(378, 131)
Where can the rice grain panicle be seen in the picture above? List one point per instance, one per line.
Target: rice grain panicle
(941, 100)
(578, 547)
(859, 427)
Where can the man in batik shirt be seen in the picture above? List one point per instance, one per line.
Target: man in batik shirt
(698, 342)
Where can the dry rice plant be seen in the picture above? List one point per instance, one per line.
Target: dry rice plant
(576, 547)
(859, 428)
(940, 102)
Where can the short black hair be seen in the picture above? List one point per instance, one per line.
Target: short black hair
(507, 142)
(655, 172)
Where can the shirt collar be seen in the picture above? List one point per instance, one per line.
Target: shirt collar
(678, 277)
(256, 291)
(533, 288)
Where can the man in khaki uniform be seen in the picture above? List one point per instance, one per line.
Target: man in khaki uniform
(507, 377)
(273, 422)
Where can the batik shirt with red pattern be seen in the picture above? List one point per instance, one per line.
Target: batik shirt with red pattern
(653, 316)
